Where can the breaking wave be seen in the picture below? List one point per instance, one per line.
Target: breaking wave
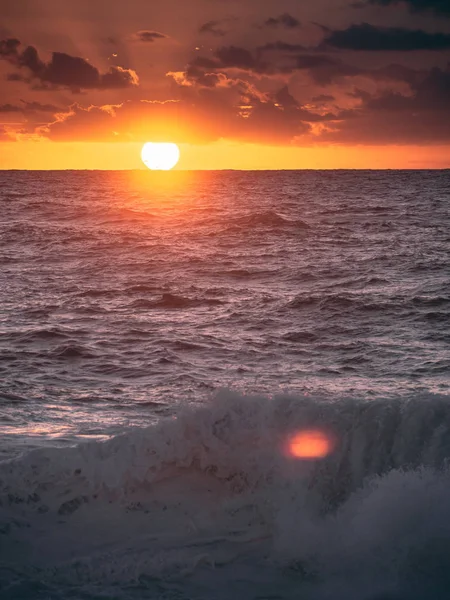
(208, 504)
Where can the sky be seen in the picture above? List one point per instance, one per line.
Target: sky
(253, 84)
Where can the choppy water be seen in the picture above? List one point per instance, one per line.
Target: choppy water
(128, 299)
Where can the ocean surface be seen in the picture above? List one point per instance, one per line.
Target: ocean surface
(165, 342)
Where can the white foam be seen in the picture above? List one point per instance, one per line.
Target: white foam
(209, 503)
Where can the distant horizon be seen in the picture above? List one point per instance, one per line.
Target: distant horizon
(174, 171)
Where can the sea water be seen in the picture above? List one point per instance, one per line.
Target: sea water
(164, 336)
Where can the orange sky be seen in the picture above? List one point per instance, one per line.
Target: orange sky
(242, 84)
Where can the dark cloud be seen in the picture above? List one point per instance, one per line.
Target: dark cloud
(63, 70)
(26, 107)
(213, 27)
(38, 107)
(323, 69)
(432, 93)
(237, 57)
(285, 20)
(230, 107)
(201, 70)
(371, 38)
(149, 36)
(284, 98)
(324, 98)
(440, 7)
(14, 76)
(242, 58)
(280, 59)
(420, 117)
(225, 57)
(203, 62)
(286, 101)
(314, 61)
(280, 46)
(396, 72)
(388, 127)
(9, 108)
(9, 47)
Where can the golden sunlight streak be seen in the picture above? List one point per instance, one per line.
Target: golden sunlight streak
(160, 157)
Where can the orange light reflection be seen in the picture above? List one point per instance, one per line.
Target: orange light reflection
(309, 444)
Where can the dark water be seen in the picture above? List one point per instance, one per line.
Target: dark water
(313, 300)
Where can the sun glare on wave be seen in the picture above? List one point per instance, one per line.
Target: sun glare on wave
(160, 156)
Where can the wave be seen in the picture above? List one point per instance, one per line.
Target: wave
(432, 301)
(299, 336)
(267, 219)
(71, 350)
(371, 302)
(97, 293)
(209, 504)
(49, 333)
(169, 300)
(140, 287)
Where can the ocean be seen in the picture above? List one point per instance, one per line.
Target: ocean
(166, 339)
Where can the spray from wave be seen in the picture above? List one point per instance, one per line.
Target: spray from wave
(226, 500)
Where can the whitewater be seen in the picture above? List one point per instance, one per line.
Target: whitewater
(162, 338)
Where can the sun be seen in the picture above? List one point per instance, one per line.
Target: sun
(159, 156)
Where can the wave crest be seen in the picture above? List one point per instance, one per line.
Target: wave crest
(194, 498)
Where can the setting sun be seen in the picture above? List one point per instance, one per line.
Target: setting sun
(160, 157)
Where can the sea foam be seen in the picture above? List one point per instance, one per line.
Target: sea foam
(209, 504)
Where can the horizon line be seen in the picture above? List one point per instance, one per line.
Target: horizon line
(226, 170)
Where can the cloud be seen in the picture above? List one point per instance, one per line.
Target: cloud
(440, 7)
(26, 107)
(219, 27)
(213, 27)
(371, 38)
(314, 61)
(149, 36)
(431, 93)
(421, 117)
(384, 128)
(280, 46)
(229, 107)
(278, 60)
(38, 107)
(234, 109)
(323, 69)
(285, 20)
(237, 57)
(9, 108)
(284, 59)
(63, 70)
(324, 98)
(177, 120)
